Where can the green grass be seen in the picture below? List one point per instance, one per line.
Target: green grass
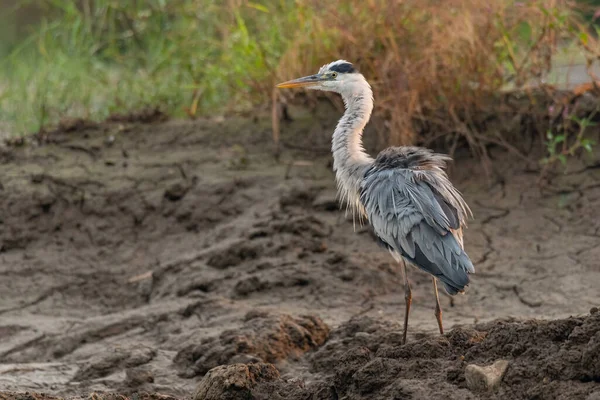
(122, 56)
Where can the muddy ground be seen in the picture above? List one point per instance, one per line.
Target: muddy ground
(137, 256)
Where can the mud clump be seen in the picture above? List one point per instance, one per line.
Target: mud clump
(234, 382)
(298, 197)
(176, 191)
(364, 359)
(136, 377)
(249, 285)
(262, 338)
(591, 359)
(234, 255)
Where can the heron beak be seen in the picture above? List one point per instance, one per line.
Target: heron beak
(311, 80)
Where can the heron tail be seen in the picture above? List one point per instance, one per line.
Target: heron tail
(453, 273)
(440, 256)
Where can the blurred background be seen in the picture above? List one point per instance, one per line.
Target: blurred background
(435, 61)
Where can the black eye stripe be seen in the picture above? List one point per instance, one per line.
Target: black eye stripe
(343, 68)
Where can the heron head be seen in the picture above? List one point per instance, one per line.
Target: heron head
(339, 76)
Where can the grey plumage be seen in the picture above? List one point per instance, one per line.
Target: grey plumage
(413, 209)
(405, 194)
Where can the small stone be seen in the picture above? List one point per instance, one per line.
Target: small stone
(594, 310)
(486, 378)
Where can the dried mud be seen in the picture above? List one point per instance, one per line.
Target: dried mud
(137, 257)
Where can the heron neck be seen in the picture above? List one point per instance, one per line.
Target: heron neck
(349, 156)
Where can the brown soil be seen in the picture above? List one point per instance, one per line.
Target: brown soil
(135, 257)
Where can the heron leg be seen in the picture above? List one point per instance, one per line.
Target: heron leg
(438, 309)
(408, 299)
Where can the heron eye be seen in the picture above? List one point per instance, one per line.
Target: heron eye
(334, 75)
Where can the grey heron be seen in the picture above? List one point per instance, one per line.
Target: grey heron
(414, 210)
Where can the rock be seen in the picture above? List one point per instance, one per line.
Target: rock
(486, 378)
(233, 382)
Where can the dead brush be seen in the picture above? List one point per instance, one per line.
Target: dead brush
(441, 71)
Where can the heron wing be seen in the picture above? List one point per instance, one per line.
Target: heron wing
(412, 219)
(449, 211)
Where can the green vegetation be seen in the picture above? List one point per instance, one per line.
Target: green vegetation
(104, 56)
(558, 145)
(433, 68)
